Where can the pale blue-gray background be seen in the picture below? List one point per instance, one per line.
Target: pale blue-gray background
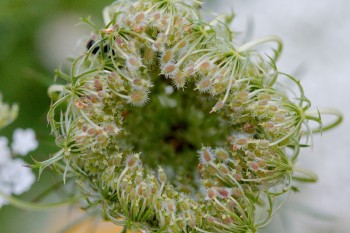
(316, 37)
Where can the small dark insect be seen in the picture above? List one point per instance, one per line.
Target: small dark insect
(91, 42)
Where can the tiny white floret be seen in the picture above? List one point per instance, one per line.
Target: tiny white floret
(15, 178)
(5, 152)
(24, 141)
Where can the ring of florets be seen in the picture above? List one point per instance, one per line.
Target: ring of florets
(166, 39)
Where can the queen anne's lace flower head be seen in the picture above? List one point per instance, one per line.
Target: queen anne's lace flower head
(225, 127)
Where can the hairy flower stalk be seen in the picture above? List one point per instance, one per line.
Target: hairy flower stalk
(130, 141)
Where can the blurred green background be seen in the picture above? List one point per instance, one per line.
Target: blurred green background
(24, 79)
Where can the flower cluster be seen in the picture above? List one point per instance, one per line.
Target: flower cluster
(15, 177)
(228, 104)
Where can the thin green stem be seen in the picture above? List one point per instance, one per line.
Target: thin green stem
(59, 73)
(306, 175)
(54, 88)
(247, 46)
(311, 115)
(34, 206)
(125, 229)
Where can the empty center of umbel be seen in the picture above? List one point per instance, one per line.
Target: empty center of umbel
(171, 128)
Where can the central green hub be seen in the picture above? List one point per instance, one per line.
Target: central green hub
(171, 127)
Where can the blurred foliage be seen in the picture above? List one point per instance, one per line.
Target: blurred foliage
(24, 80)
(22, 77)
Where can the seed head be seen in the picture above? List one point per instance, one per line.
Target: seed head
(169, 69)
(167, 56)
(211, 193)
(204, 85)
(224, 193)
(161, 175)
(206, 155)
(219, 105)
(138, 97)
(221, 154)
(254, 166)
(140, 17)
(204, 67)
(133, 62)
(170, 206)
(179, 80)
(149, 56)
(132, 160)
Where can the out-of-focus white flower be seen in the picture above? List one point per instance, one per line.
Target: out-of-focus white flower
(15, 178)
(24, 141)
(5, 153)
(2, 200)
(7, 113)
(18, 176)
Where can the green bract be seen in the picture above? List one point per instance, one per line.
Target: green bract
(168, 126)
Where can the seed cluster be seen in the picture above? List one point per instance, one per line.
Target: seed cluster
(151, 40)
